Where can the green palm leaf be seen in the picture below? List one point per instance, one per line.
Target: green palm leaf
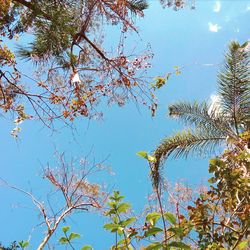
(199, 142)
(210, 125)
(234, 86)
(201, 115)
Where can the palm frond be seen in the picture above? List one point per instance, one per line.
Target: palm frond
(136, 6)
(234, 86)
(199, 141)
(201, 116)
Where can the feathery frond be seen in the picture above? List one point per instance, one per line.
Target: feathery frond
(199, 141)
(234, 86)
(210, 125)
(200, 115)
(137, 5)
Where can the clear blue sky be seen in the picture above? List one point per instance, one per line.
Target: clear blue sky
(186, 37)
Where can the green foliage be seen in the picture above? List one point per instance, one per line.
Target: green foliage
(152, 218)
(13, 246)
(146, 156)
(179, 245)
(118, 225)
(221, 215)
(160, 81)
(211, 124)
(23, 244)
(151, 230)
(234, 81)
(68, 239)
(87, 248)
(170, 217)
(65, 229)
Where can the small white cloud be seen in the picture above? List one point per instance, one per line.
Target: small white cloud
(217, 6)
(248, 7)
(214, 27)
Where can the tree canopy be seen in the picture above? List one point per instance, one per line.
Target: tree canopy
(74, 72)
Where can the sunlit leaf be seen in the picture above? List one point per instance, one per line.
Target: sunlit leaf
(153, 218)
(74, 236)
(142, 154)
(63, 240)
(152, 231)
(170, 217)
(179, 245)
(65, 229)
(87, 248)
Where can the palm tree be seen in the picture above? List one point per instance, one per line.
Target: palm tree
(211, 124)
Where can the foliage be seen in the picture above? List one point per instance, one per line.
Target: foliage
(14, 245)
(221, 215)
(64, 38)
(75, 72)
(212, 124)
(69, 239)
(131, 237)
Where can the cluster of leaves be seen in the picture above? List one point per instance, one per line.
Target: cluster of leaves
(161, 81)
(68, 239)
(130, 236)
(75, 71)
(217, 219)
(15, 246)
(221, 215)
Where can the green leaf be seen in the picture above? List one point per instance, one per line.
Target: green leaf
(65, 229)
(132, 234)
(152, 231)
(142, 154)
(159, 82)
(23, 244)
(74, 236)
(178, 231)
(153, 218)
(87, 248)
(154, 246)
(111, 226)
(123, 207)
(123, 242)
(63, 240)
(243, 245)
(120, 230)
(170, 217)
(128, 221)
(179, 245)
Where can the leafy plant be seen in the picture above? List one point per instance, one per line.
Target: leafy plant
(68, 238)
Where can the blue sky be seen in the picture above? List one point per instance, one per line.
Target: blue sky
(190, 38)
